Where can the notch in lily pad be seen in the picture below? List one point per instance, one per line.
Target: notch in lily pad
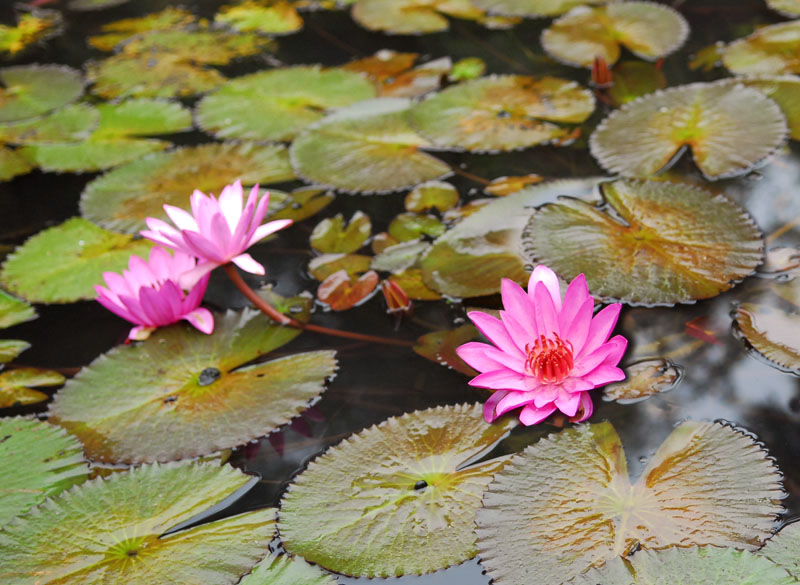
(331, 236)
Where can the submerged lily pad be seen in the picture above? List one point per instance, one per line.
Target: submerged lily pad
(122, 198)
(120, 30)
(644, 379)
(771, 50)
(470, 259)
(33, 90)
(14, 310)
(286, 570)
(408, 17)
(269, 17)
(330, 236)
(188, 394)
(30, 29)
(397, 498)
(503, 112)
(37, 460)
(12, 164)
(706, 565)
(645, 251)
(63, 263)
(647, 29)
(633, 79)
(532, 8)
(790, 8)
(707, 484)
(729, 129)
(16, 385)
(11, 348)
(113, 531)
(279, 103)
(383, 151)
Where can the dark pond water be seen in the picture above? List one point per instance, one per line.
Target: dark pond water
(374, 382)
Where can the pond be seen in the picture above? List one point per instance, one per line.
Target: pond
(429, 149)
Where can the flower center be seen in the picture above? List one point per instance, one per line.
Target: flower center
(550, 360)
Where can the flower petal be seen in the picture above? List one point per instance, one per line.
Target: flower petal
(531, 415)
(568, 403)
(491, 402)
(268, 228)
(546, 316)
(230, 204)
(601, 327)
(522, 333)
(248, 264)
(603, 375)
(502, 379)
(484, 357)
(586, 363)
(515, 300)
(201, 319)
(189, 279)
(514, 400)
(585, 408)
(549, 279)
(576, 330)
(180, 217)
(495, 331)
(203, 248)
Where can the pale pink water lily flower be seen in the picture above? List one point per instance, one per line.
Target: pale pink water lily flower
(547, 353)
(149, 296)
(217, 231)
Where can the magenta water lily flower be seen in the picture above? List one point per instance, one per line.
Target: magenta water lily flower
(217, 231)
(149, 296)
(547, 354)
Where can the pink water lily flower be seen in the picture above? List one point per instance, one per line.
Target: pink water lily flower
(547, 354)
(217, 231)
(149, 296)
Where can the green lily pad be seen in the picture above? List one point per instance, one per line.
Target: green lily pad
(279, 103)
(707, 484)
(411, 281)
(410, 17)
(160, 75)
(729, 130)
(12, 164)
(790, 8)
(305, 202)
(123, 197)
(411, 226)
(784, 90)
(330, 236)
(782, 548)
(432, 195)
(30, 29)
(706, 565)
(467, 68)
(502, 112)
(189, 394)
(16, 385)
(200, 46)
(471, 259)
(397, 498)
(400, 257)
(532, 8)
(644, 251)
(11, 348)
(37, 460)
(115, 141)
(268, 17)
(647, 29)
(14, 310)
(771, 50)
(321, 267)
(383, 151)
(89, 5)
(69, 124)
(644, 379)
(113, 531)
(633, 79)
(33, 90)
(63, 263)
(286, 570)
(116, 32)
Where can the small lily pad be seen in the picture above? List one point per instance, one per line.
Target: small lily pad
(395, 76)
(503, 112)
(644, 379)
(120, 30)
(63, 263)
(330, 236)
(11, 348)
(37, 460)
(321, 267)
(784, 90)
(14, 310)
(790, 8)
(400, 256)
(305, 202)
(771, 50)
(644, 251)
(269, 17)
(782, 548)
(371, 505)
(647, 29)
(729, 130)
(633, 79)
(16, 385)
(12, 164)
(432, 195)
(440, 347)
(341, 291)
(383, 151)
(33, 90)
(532, 8)
(707, 484)
(286, 570)
(30, 28)
(279, 103)
(413, 284)
(113, 531)
(467, 68)
(122, 198)
(197, 45)
(502, 186)
(189, 394)
(705, 565)
(412, 226)
(69, 124)
(409, 17)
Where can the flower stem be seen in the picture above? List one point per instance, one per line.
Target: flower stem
(275, 315)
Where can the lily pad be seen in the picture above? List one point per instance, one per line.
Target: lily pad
(782, 548)
(113, 531)
(371, 505)
(440, 347)
(330, 236)
(502, 112)
(400, 256)
(729, 130)
(412, 226)
(410, 17)
(279, 103)
(784, 90)
(11, 348)
(37, 460)
(633, 79)
(707, 484)
(122, 198)
(63, 263)
(286, 570)
(188, 394)
(33, 90)
(16, 385)
(647, 29)
(383, 151)
(706, 565)
(471, 259)
(305, 202)
(268, 17)
(412, 283)
(341, 291)
(532, 8)
(115, 141)
(394, 75)
(12, 164)
(321, 267)
(14, 310)
(644, 379)
(643, 251)
(90, 5)
(790, 8)
(432, 195)
(120, 30)
(771, 50)
(30, 28)
(69, 124)
(502, 186)
(198, 45)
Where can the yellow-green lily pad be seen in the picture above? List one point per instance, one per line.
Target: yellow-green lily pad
(12, 164)
(16, 385)
(410, 17)
(120, 30)
(11, 348)
(30, 29)
(268, 17)
(790, 8)
(532, 8)
(14, 311)
(771, 50)
(197, 45)
(32, 90)
(331, 236)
